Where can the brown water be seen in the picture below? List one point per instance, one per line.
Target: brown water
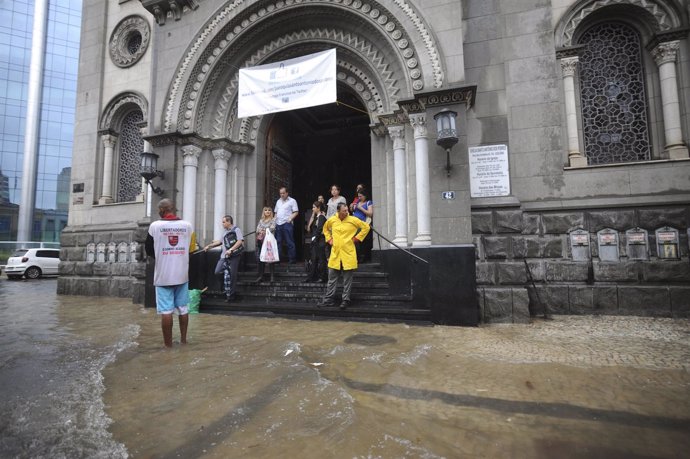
(268, 387)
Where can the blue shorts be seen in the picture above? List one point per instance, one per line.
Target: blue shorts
(172, 298)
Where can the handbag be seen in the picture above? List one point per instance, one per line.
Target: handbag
(269, 249)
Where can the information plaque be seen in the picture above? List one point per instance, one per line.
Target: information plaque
(489, 171)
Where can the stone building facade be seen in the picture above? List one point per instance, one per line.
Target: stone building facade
(590, 99)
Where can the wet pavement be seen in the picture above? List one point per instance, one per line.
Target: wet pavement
(609, 387)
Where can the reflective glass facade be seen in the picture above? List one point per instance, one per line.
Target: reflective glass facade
(58, 101)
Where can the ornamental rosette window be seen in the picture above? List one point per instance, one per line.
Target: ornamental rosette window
(129, 41)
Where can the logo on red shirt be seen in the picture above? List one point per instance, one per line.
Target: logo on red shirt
(173, 240)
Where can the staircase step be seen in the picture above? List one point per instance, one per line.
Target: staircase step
(356, 310)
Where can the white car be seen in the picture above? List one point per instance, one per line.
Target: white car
(33, 263)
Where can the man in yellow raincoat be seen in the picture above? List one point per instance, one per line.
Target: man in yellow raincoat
(341, 232)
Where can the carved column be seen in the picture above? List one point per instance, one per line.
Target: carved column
(190, 155)
(397, 133)
(665, 57)
(107, 188)
(421, 159)
(575, 157)
(220, 165)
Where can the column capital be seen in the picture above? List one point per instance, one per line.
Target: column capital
(569, 65)
(109, 140)
(397, 133)
(221, 156)
(418, 122)
(666, 52)
(190, 154)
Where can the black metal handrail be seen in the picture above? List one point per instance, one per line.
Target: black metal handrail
(381, 236)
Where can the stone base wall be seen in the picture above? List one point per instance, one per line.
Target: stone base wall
(506, 239)
(84, 274)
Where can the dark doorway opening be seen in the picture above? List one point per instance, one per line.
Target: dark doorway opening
(310, 149)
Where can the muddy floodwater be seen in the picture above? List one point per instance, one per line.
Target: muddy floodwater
(88, 377)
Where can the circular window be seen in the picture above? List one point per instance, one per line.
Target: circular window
(129, 41)
(134, 42)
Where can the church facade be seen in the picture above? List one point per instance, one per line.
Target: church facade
(565, 185)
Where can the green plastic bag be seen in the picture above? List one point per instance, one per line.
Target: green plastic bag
(194, 301)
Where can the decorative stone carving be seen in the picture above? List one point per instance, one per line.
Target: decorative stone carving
(134, 252)
(179, 103)
(161, 8)
(100, 252)
(129, 41)
(568, 66)
(656, 8)
(90, 252)
(115, 106)
(666, 52)
(112, 252)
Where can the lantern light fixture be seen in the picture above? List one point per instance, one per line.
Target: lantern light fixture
(447, 133)
(149, 170)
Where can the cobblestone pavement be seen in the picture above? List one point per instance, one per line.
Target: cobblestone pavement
(639, 342)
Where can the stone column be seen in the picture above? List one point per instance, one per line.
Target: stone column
(575, 157)
(220, 165)
(665, 57)
(421, 160)
(190, 155)
(397, 133)
(107, 188)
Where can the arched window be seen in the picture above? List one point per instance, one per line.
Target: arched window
(129, 157)
(612, 95)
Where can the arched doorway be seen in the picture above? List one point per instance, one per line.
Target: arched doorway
(310, 149)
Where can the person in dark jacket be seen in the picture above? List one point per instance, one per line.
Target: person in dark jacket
(317, 269)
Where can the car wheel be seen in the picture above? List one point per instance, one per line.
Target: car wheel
(33, 272)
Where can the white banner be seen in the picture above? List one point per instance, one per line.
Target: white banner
(295, 83)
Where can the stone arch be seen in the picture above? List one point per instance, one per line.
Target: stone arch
(659, 16)
(399, 30)
(119, 107)
(376, 86)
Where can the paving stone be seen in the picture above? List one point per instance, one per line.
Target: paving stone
(666, 271)
(644, 301)
(482, 223)
(567, 271)
(653, 219)
(485, 273)
(526, 246)
(511, 273)
(620, 220)
(531, 223)
(616, 272)
(680, 301)
(562, 223)
(498, 305)
(508, 221)
(496, 246)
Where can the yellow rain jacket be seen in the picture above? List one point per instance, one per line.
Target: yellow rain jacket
(342, 232)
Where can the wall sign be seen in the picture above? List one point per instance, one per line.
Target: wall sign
(448, 194)
(489, 172)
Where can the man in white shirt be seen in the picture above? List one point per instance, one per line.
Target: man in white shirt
(286, 211)
(168, 242)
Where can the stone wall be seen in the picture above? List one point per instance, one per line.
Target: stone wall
(84, 271)
(506, 239)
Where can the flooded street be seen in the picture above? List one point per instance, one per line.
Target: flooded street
(88, 377)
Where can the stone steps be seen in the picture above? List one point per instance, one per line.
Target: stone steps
(288, 295)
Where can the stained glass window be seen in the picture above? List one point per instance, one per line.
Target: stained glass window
(612, 94)
(131, 146)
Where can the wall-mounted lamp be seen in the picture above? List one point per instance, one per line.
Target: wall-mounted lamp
(149, 170)
(447, 133)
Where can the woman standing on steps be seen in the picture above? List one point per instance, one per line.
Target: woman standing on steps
(267, 221)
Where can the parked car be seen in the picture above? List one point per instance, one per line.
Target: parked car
(33, 263)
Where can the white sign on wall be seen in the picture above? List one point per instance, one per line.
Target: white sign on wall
(489, 171)
(287, 85)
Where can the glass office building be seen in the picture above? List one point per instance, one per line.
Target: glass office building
(50, 142)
